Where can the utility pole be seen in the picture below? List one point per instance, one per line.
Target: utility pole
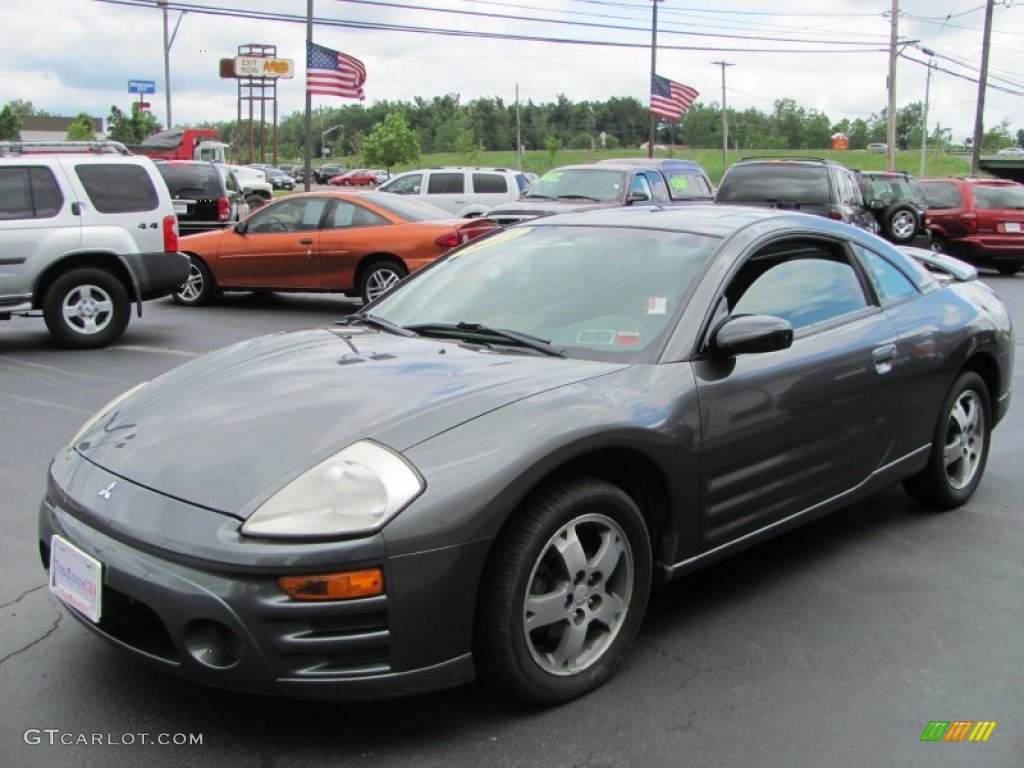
(309, 101)
(168, 42)
(890, 135)
(725, 117)
(650, 81)
(519, 134)
(979, 116)
(924, 118)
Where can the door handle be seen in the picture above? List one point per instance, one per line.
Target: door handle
(883, 356)
(306, 241)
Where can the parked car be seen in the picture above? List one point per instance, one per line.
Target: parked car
(381, 176)
(978, 220)
(290, 168)
(257, 190)
(878, 147)
(897, 202)
(332, 241)
(809, 185)
(328, 171)
(1014, 151)
(85, 230)
(687, 179)
(357, 177)
(484, 471)
(463, 191)
(279, 179)
(206, 196)
(580, 187)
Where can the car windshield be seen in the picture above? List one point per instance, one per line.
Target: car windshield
(580, 184)
(598, 293)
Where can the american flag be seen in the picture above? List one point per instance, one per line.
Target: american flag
(332, 73)
(670, 100)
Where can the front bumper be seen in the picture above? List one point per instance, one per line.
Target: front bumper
(228, 625)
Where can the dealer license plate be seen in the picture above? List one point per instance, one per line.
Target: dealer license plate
(1012, 226)
(180, 207)
(76, 578)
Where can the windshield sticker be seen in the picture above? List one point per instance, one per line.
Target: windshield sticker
(656, 305)
(552, 176)
(627, 338)
(679, 182)
(595, 336)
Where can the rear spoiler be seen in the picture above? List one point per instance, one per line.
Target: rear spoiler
(960, 271)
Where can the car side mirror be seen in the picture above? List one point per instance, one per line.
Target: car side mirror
(241, 227)
(875, 204)
(748, 334)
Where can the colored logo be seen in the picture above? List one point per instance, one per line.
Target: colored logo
(958, 730)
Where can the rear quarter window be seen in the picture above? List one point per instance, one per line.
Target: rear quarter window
(118, 188)
(29, 193)
(998, 198)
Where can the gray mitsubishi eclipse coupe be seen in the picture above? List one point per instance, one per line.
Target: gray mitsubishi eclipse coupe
(484, 471)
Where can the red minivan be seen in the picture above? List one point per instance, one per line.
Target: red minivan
(978, 220)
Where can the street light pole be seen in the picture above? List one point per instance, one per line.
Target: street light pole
(324, 134)
(168, 42)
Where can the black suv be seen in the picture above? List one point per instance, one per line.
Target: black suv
(206, 195)
(805, 184)
(325, 173)
(898, 203)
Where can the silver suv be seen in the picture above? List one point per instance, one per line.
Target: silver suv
(84, 231)
(462, 191)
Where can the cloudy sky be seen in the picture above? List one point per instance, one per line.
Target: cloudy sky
(71, 56)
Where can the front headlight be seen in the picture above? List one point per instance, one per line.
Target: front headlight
(357, 490)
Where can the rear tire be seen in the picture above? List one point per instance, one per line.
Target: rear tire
(959, 447)
(86, 308)
(900, 223)
(255, 201)
(379, 277)
(937, 244)
(1008, 269)
(563, 593)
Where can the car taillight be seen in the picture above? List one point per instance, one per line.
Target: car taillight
(448, 240)
(171, 233)
(970, 221)
(223, 209)
(475, 228)
(836, 214)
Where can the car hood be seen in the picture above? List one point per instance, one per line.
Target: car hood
(524, 208)
(229, 429)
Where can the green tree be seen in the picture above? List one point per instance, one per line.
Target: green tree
(10, 124)
(131, 129)
(81, 129)
(390, 143)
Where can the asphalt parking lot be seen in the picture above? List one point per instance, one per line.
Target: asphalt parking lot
(834, 645)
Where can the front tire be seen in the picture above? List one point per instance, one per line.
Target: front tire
(198, 288)
(937, 244)
(86, 309)
(379, 277)
(959, 447)
(255, 201)
(563, 593)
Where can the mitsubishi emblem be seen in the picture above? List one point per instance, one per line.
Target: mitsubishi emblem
(105, 492)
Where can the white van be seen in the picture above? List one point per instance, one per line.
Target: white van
(465, 192)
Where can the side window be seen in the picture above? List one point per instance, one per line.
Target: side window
(640, 187)
(231, 182)
(803, 282)
(889, 282)
(29, 193)
(846, 189)
(446, 183)
(658, 185)
(406, 185)
(118, 188)
(346, 214)
(288, 216)
(941, 194)
(494, 183)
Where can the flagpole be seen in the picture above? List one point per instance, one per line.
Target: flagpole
(309, 100)
(650, 80)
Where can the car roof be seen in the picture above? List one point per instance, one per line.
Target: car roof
(706, 219)
(651, 162)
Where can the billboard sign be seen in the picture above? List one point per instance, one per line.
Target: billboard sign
(141, 86)
(260, 66)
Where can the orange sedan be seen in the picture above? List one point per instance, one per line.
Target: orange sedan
(356, 243)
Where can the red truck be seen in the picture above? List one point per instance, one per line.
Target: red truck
(187, 144)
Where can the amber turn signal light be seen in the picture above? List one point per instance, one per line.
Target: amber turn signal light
(334, 586)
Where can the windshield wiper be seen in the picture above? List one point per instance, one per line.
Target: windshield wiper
(538, 197)
(579, 197)
(473, 331)
(376, 322)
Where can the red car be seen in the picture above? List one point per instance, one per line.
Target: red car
(356, 243)
(978, 220)
(358, 177)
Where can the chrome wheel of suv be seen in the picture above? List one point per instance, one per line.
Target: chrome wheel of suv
(86, 309)
(902, 225)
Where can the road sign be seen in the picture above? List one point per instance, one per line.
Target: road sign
(262, 66)
(143, 105)
(141, 86)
